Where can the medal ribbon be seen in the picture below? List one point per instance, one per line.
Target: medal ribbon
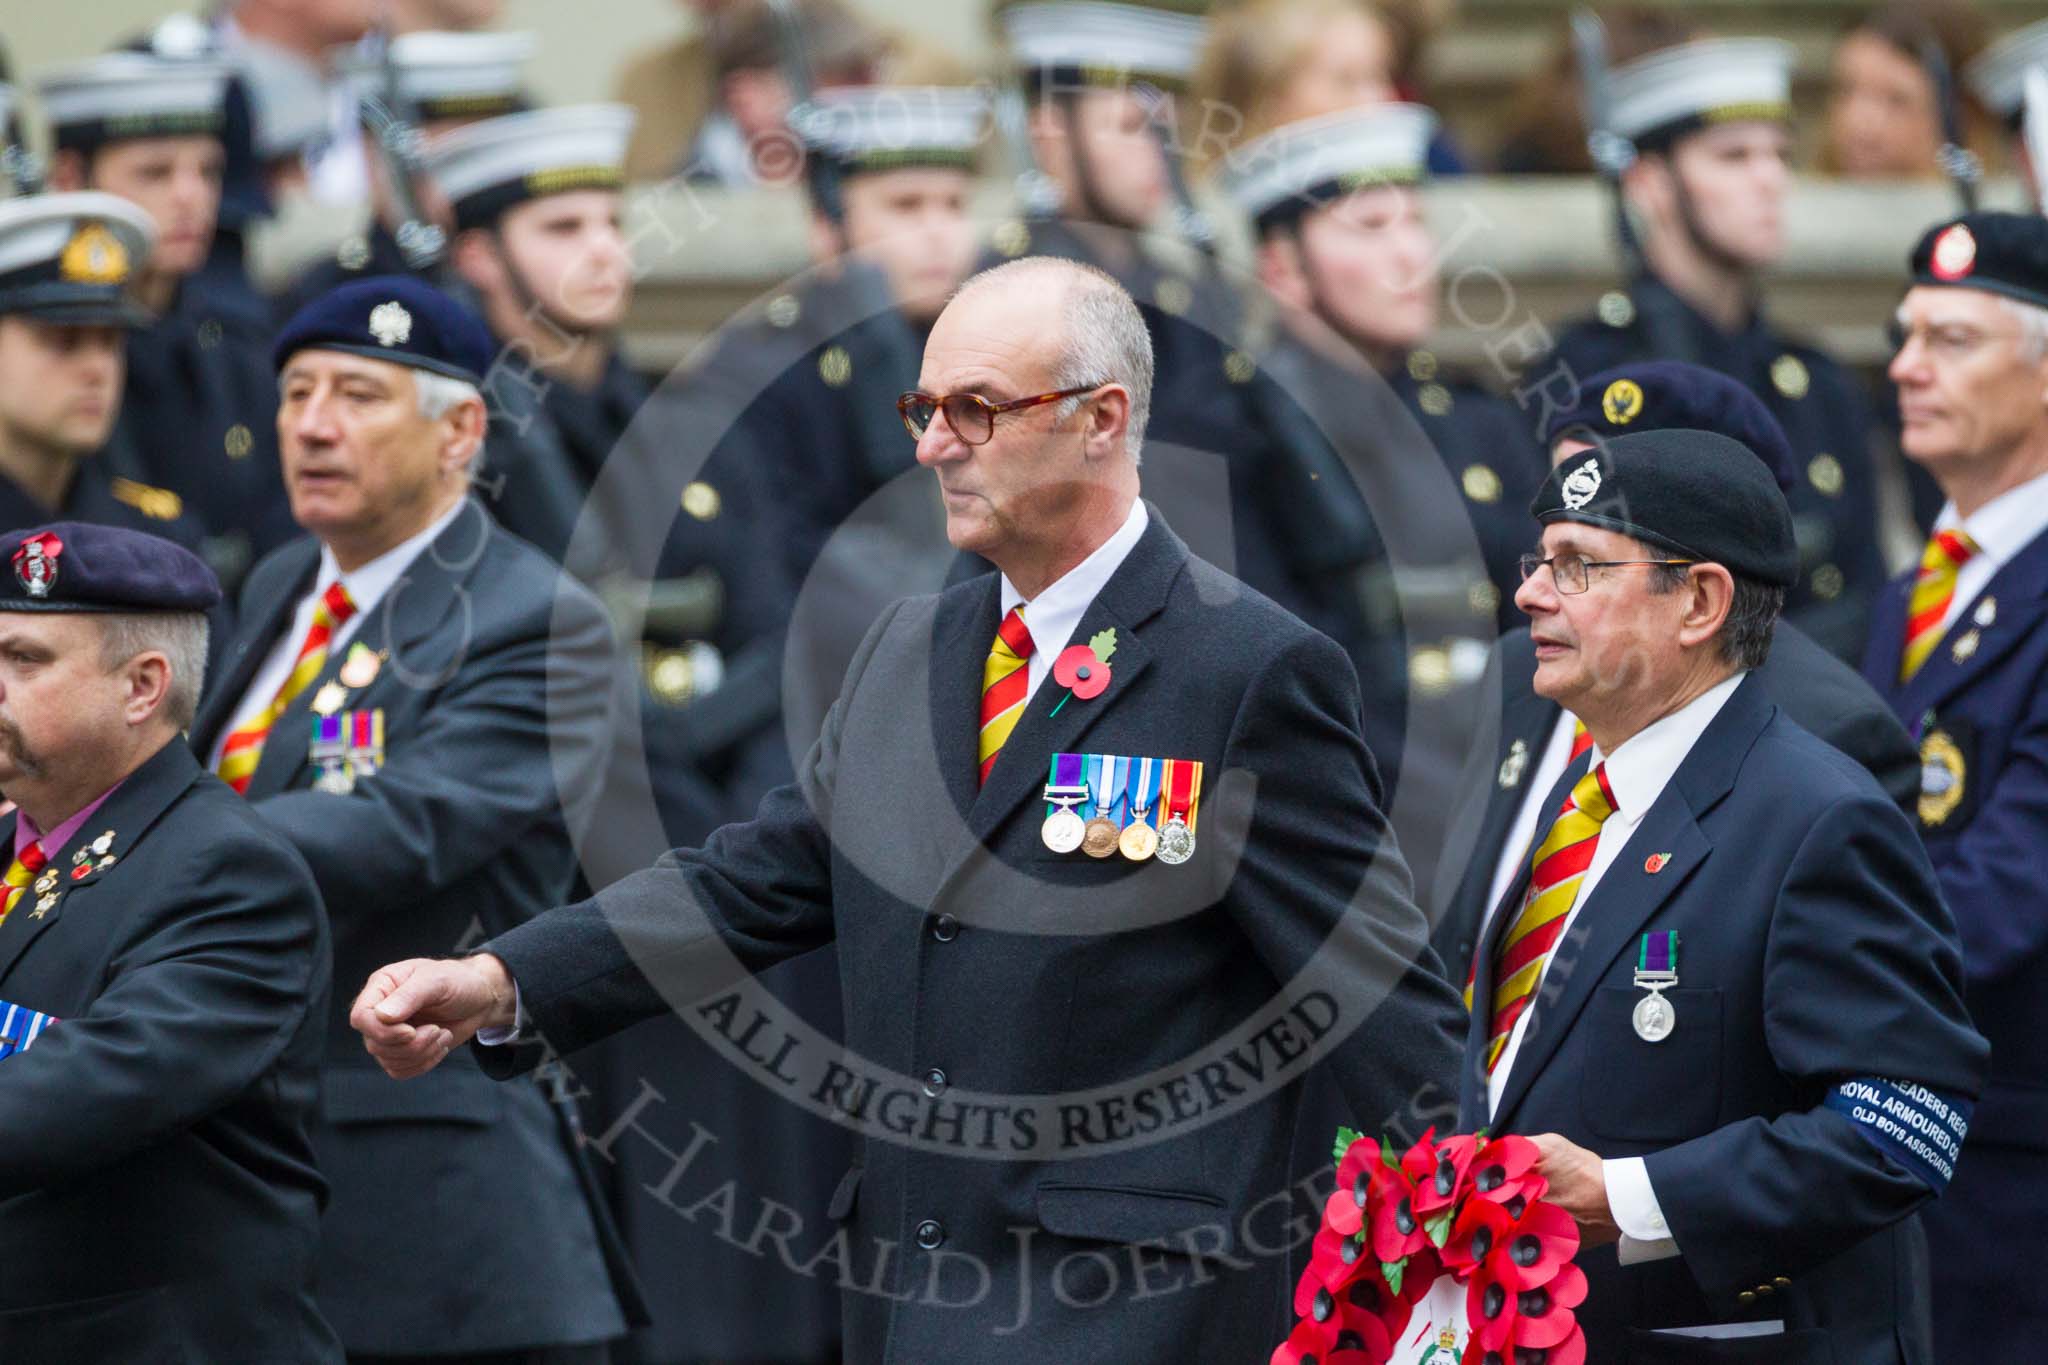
(1099, 766)
(1068, 770)
(1147, 793)
(1183, 789)
(1119, 807)
(1659, 952)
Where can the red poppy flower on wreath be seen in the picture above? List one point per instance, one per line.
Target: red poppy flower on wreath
(1504, 1170)
(1345, 1211)
(1536, 1326)
(1397, 1228)
(1535, 1247)
(1359, 1323)
(1481, 1228)
(1334, 1260)
(1438, 1169)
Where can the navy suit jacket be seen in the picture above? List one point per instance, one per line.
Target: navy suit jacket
(496, 701)
(158, 1193)
(1814, 688)
(1813, 948)
(976, 964)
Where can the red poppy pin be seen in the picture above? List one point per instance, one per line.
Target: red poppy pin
(1655, 863)
(1084, 669)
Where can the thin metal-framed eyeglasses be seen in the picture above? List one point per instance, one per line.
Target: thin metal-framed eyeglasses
(1573, 574)
(972, 417)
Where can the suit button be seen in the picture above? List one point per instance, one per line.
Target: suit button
(930, 1234)
(1765, 1289)
(934, 1083)
(1782, 1282)
(1746, 1297)
(945, 928)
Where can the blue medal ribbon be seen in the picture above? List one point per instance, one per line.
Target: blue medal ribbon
(1145, 796)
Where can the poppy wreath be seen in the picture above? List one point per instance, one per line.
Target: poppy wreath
(1469, 1206)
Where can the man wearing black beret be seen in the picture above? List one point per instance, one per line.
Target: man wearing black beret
(1724, 994)
(1959, 650)
(387, 706)
(1510, 767)
(163, 986)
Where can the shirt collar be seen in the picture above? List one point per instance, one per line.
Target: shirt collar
(26, 833)
(367, 583)
(2008, 523)
(1067, 598)
(1642, 765)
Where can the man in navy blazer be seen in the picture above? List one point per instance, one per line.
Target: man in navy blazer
(1512, 763)
(1960, 651)
(1725, 996)
(1072, 1074)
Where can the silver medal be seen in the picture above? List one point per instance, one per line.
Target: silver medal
(1654, 1018)
(1064, 830)
(1176, 841)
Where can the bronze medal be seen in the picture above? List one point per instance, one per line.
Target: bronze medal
(1099, 837)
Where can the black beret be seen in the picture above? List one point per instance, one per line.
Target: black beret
(391, 317)
(2001, 253)
(78, 566)
(1699, 494)
(1660, 395)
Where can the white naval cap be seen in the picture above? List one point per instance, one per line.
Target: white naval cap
(448, 75)
(133, 94)
(288, 99)
(1998, 74)
(1094, 42)
(1299, 166)
(485, 168)
(1715, 80)
(71, 257)
(889, 127)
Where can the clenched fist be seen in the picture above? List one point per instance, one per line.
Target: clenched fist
(412, 1014)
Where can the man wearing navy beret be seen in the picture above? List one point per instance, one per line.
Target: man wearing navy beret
(387, 706)
(1723, 991)
(1958, 648)
(163, 986)
(1510, 767)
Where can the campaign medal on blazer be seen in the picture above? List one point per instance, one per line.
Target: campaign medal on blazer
(1182, 785)
(1139, 840)
(1656, 971)
(20, 1026)
(1512, 767)
(1943, 777)
(365, 731)
(328, 752)
(1107, 776)
(1064, 829)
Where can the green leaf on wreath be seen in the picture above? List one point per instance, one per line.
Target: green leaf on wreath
(1387, 1155)
(1438, 1228)
(1394, 1270)
(1345, 1137)
(1103, 642)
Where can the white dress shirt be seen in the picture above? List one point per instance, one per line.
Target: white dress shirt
(1637, 773)
(366, 587)
(2002, 528)
(1055, 614)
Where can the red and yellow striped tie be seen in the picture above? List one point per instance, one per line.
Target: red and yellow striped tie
(1559, 866)
(1005, 681)
(1933, 590)
(20, 873)
(243, 749)
(1581, 741)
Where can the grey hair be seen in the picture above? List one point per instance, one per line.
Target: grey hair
(1103, 339)
(438, 393)
(179, 636)
(1753, 614)
(2033, 321)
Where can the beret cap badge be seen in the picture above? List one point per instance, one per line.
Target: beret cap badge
(35, 563)
(1622, 401)
(1955, 253)
(391, 324)
(1581, 485)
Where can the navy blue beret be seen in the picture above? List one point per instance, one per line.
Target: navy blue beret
(1658, 395)
(78, 566)
(2002, 253)
(1699, 494)
(392, 317)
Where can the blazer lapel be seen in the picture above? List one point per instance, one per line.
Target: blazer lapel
(2015, 600)
(1629, 894)
(1888, 640)
(961, 638)
(1526, 721)
(1132, 596)
(252, 644)
(127, 814)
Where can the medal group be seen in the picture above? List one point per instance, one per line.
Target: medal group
(1106, 804)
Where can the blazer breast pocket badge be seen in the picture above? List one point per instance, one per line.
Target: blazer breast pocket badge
(1108, 804)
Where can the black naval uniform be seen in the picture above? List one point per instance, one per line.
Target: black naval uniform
(106, 498)
(199, 417)
(1826, 415)
(360, 256)
(722, 528)
(158, 1194)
